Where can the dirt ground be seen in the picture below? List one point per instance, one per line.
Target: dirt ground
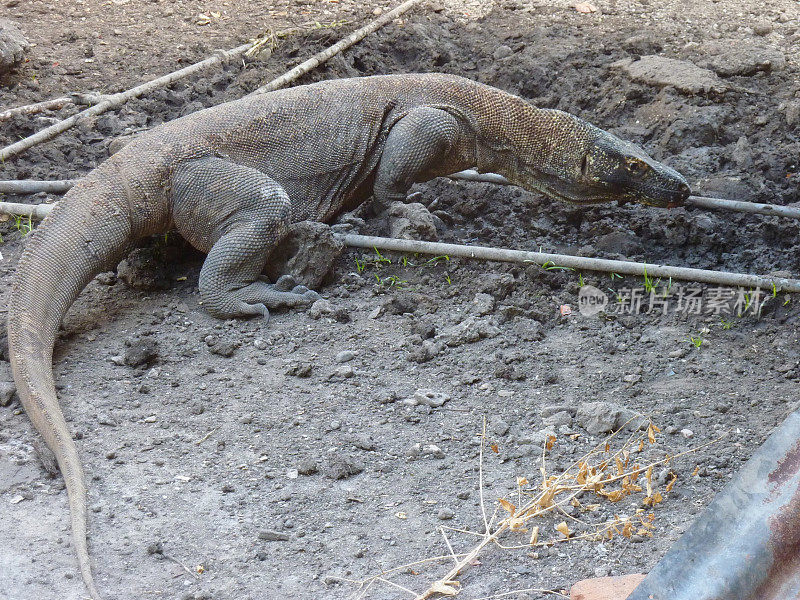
(245, 460)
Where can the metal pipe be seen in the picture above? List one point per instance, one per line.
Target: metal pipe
(575, 262)
(33, 186)
(746, 544)
(695, 201)
(622, 267)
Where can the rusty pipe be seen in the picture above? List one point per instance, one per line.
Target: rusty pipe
(746, 544)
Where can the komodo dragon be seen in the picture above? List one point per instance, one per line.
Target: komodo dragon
(232, 178)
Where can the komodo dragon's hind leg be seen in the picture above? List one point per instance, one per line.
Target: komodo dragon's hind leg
(237, 215)
(417, 148)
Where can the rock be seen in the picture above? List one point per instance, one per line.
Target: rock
(141, 352)
(425, 352)
(427, 397)
(445, 514)
(619, 242)
(273, 536)
(222, 348)
(483, 304)
(497, 285)
(549, 411)
(499, 428)
(320, 308)
(309, 253)
(468, 331)
(411, 222)
(742, 58)
(683, 75)
(558, 419)
(605, 588)
(602, 417)
(342, 467)
(763, 28)
(433, 450)
(13, 46)
(144, 269)
(7, 390)
(502, 52)
(687, 433)
(307, 467)
(792, 111)
(342, 372)
(299, 369)
(345, 356)
(742, 154)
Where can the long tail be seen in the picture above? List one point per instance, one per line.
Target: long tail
(88, 232)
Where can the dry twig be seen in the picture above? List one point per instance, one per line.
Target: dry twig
(343, 44)
(114, 100)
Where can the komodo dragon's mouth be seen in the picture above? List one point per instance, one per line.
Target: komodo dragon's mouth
(661, 197)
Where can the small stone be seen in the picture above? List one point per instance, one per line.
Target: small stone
(141, 352)
(343, 372)
(687, 433)
(483, 304)
(222, 348)
(548, 411)
(299, 369)
(428, 397)
(307, 467)
(499, 428)
(603, 417)
(433, 450)
(558, 419)
(502, 52)
(763, 28)
(269, 535)
(345, 356)
(13, 45)
(414, 451)
(259, 344)
(411, 221)
(342, 467)
(320, 308)
(7, 390)
(445, 514)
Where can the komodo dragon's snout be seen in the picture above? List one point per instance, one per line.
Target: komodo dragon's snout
(607, 169)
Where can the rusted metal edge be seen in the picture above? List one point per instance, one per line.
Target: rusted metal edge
(746, 544)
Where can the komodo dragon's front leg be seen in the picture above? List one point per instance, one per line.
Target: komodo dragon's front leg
(237, 215)
(417, 148)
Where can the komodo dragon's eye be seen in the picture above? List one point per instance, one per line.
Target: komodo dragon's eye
(635, 167)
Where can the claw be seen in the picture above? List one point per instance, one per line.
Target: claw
(285, 283)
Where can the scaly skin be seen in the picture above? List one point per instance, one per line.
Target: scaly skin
(232, 178)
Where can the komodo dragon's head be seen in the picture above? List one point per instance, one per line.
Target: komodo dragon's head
(583, 164)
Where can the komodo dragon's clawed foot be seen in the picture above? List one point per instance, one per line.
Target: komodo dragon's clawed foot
(274, 296)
